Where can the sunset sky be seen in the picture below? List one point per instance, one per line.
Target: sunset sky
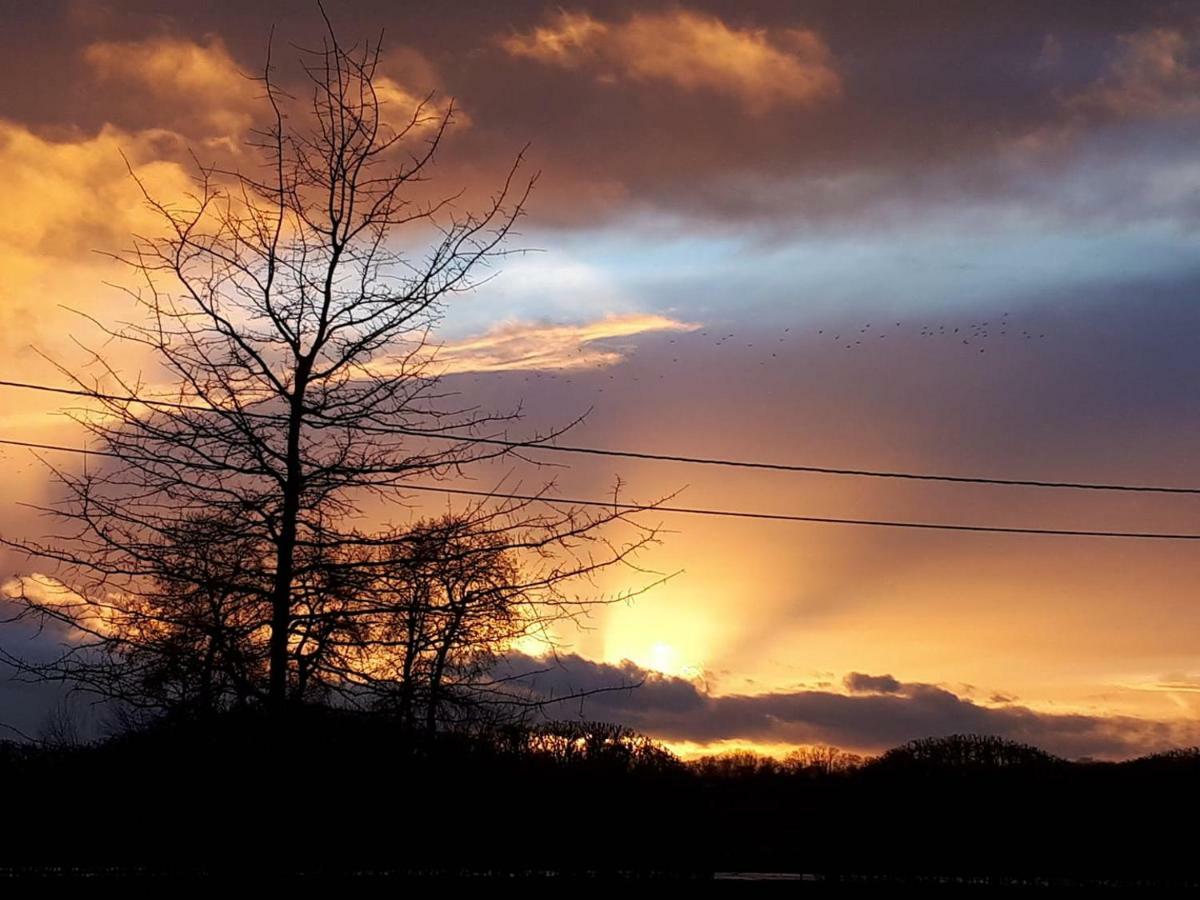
(953, 237)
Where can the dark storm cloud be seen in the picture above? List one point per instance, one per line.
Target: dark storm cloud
(826, 112)
(26, 703)
(675, 709)
(858, 683)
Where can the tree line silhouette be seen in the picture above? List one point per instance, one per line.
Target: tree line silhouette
(368, 796)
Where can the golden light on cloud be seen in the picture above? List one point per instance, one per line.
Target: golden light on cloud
(695, 52)
(199, 80)
(664, 658)
(402, 108)
(65, 199)
(567, 42)
(48, 591)
(521, 345)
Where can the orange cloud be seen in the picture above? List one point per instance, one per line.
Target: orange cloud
(693, 51)
(67, 197)
(194, 83)
(398, 107)
(63, 200)
(406, 80)
(48, 592)
(524, 346)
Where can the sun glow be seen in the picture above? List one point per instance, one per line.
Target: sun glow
(669, 636)
(663, 658)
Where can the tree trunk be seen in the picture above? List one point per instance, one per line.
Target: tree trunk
(281, 595)
(439, 668)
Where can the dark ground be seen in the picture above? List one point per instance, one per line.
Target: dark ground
(336, 795)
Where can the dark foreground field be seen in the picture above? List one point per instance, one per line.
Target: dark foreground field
(334, 795)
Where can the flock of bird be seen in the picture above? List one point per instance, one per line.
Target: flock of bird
(972, 332)
(784, 343)
(855, 337)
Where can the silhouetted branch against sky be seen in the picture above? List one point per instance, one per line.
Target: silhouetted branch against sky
(215, 554)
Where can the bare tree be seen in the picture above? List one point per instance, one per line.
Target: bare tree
(821, 760)
(213, 555)
(186, 634)
(599, 744)
(60, 728)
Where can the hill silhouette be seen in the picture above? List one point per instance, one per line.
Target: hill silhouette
(365, 795)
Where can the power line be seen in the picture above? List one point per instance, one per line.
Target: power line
(667, 457)
(730, 513)
(819, 520)
(58, 447)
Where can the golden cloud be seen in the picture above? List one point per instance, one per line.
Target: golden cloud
(405, 82)
(525, 346)
(46, 591)
(401, 108)
(63, 200)
(692, 51)
(568, 42)
(194, 83)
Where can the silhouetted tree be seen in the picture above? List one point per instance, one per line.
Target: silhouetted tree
(821, 760)
(736, 764)
(959, 752)
(601, 745)
(212, 554)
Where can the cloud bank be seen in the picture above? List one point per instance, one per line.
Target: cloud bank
(879, 712)
(762, 68)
